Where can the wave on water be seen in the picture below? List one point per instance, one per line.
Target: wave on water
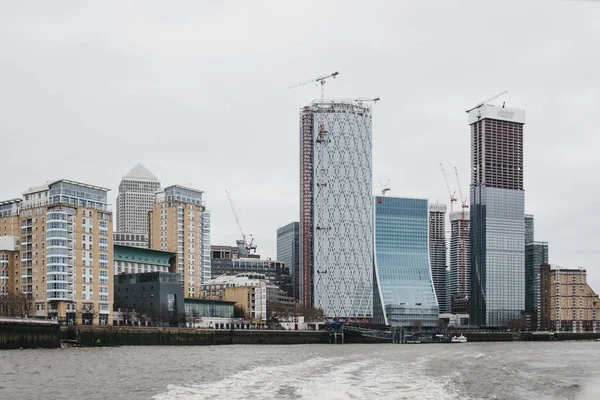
(326, 378)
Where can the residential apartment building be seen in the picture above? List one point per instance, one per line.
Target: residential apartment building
(9, 263)
(404, 293)
(180, 223)
(248, 291)
(336, 220)
(437, 253)
(497, 215)
(288, 251)
(10, 223)
(567, 302)
(136, 198)
(131, 239)
(460, 262)
(136, 260)
(67, 251)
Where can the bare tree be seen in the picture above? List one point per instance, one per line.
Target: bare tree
(193, 318)
(87, 314)
(16, 305)
(417, 324)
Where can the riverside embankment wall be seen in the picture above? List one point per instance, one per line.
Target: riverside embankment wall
(119, 336)
(16, 334)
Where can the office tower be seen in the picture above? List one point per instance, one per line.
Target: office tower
(497, 215)
(180, 223)
(136, 198)
(460, 261)
(336, 221)
(404, 294)
(536, 254)
(67, 252)
(529, 228)
(437, 253)
(567, 302)
(288, 251)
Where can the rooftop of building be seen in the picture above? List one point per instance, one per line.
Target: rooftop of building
(140, 173)
(141, 255)
(491, 111)
(49, 184)
(556, 267)
(11, 201)
(184, 188)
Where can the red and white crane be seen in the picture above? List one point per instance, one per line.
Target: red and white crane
(450, 193)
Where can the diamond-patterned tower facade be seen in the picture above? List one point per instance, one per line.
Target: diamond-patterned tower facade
(336, 225)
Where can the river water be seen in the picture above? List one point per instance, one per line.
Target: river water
(556, 370)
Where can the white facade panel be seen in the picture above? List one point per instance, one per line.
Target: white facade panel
(342, 221)
(499, 113)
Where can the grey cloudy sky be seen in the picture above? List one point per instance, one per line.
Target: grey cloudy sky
(196, 91)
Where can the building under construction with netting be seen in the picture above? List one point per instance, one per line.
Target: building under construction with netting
(336, 213)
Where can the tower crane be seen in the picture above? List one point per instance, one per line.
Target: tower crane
(320, 79)
(385, 188)
(487, 101)
(248, 246)
(452, 195)
(463, 265)
(362, 100)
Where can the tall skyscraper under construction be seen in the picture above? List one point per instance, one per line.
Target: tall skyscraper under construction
(437, 253)
(336, 214)
(460, 261)
(497, 215)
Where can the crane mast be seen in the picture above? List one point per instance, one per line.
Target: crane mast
(248, 246)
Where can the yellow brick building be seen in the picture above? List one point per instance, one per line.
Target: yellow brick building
(66, 251)
(179, 223)
(567, 302)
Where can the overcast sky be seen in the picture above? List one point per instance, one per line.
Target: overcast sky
(196, 91)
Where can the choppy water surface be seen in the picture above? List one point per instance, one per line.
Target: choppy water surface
(436, 371)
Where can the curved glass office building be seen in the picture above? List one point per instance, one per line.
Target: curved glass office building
(403, 289)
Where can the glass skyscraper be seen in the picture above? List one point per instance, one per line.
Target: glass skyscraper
(497, 215)
(288, 251)
(403, 293)
(536, 254)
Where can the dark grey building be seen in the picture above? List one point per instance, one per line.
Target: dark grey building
(288, 251)
(497, 215)
(154, 296)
